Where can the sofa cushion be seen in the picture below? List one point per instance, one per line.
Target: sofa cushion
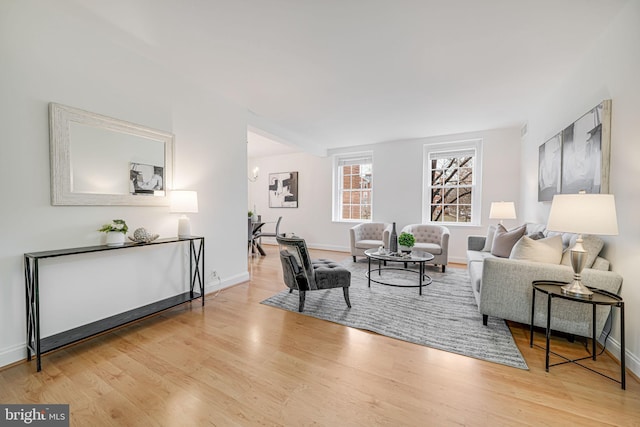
(475, 274)
(432, 248)
(548, 250)
(368, 244)
(504, 240)
(478, 256)
(601, 264)
(488, 242)
(592, 244)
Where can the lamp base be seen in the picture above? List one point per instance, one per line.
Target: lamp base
(184, 227)
(578, 260)
(577, 289)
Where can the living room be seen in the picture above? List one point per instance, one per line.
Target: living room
(104, 62)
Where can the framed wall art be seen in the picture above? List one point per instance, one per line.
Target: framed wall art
(549, 168)
(577, 158)
(283, 190)
(586, 152)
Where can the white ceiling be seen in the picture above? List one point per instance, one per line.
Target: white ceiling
(335, 73)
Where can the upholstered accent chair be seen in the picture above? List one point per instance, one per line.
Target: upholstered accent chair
(433, 239)
(303, 274)
(368, 235)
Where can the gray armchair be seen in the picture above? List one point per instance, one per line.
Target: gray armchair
(433, 239)
(368, 235)
(303, 274)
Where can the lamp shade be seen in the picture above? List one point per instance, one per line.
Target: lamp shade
(583, 214)
(183, 201)
(502, 210)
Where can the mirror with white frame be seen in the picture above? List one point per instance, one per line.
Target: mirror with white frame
(99, 160)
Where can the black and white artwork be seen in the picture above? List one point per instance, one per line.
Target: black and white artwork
(283, 190)
(145, 179)
(549, 164)
(582, 151)
(577, 159)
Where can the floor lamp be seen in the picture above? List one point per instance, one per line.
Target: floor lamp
(582, 214)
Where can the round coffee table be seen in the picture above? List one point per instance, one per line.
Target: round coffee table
(417, 257)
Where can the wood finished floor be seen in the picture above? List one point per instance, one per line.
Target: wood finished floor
(236, 362)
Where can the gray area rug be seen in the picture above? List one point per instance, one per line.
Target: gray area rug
(445, 317)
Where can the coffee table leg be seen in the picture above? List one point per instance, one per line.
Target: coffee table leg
(421, 273)
(369, 275)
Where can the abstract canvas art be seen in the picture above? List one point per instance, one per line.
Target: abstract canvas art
(577, 158)
(549, 164)
(283, 190)
(585, 152)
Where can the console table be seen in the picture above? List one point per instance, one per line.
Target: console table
(38, 346)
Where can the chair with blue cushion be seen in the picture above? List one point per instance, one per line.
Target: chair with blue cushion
(303, 274)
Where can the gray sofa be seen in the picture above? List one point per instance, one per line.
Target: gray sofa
(503, 287)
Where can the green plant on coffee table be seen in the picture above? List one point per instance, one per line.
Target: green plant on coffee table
(116, 225)
(406, 239)
(250, 214)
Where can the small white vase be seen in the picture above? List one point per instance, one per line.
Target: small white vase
(405, 249)
(115, 238)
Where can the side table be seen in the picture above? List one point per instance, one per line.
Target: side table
(600, 297)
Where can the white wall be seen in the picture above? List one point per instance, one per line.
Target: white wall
(610, 70)
(397, 181)
(57, 52)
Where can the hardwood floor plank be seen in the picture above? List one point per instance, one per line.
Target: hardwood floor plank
(236, 362)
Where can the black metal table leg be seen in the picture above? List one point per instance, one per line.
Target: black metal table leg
(533, 310)
(196, 267)
(593, 333)
(623, 372)
(421, 264)
(369, 275)
(548, 332)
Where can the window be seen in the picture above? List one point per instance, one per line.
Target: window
(452, 174)
(353, 176)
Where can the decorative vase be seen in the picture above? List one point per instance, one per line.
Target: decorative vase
(404, 249)
(115, 238)
(393, 239)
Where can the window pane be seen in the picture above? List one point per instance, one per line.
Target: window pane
(450, 181)
(353, 198)
(451, 195)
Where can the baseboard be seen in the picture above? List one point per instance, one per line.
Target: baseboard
(632, 362)
(214, 286)
(311, 245)
(13, 354)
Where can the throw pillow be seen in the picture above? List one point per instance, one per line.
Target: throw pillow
(548, 250)
(488, 242)
(504, 240)
(538, 235)
(592, 244)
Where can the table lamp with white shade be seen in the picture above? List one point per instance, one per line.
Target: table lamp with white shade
(502, 210)
(184, 202)
(582, 214)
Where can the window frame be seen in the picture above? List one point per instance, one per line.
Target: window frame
(337, 185)
(476, 185)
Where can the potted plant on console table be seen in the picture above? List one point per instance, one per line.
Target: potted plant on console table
(406, 242)
(115, 232)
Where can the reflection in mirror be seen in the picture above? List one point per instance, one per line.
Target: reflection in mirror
(98, 160)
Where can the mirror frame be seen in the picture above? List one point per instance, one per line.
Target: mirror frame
(60, 119)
